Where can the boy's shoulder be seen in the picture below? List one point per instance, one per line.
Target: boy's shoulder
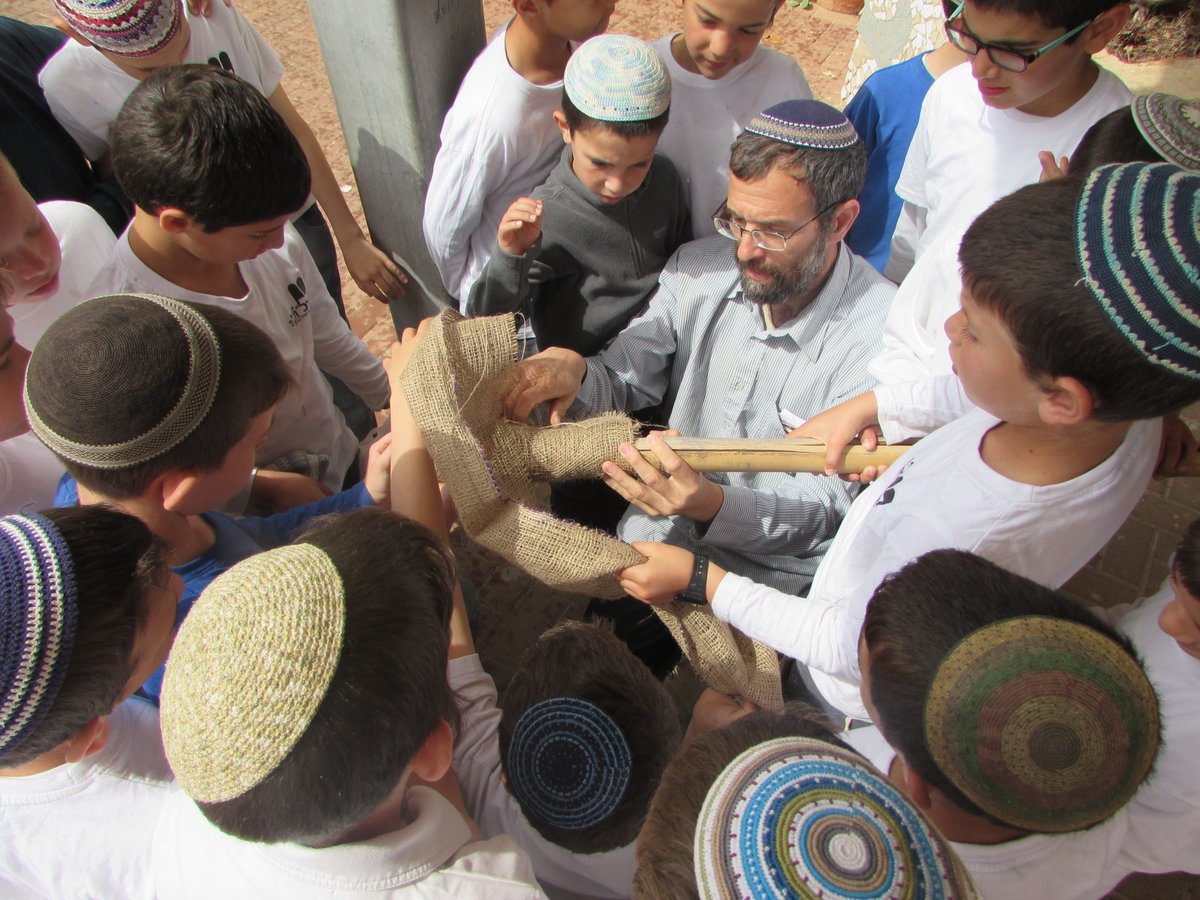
(226, 38)
(494, 97)
(904, 84)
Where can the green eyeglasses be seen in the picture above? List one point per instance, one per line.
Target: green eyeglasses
(1005, 57)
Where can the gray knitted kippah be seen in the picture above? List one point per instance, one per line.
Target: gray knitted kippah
(1171, 125)
(120, 380)
(617, 78)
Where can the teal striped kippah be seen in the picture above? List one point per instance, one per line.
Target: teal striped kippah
(805, 123)
(1137, 231)
(617, 78)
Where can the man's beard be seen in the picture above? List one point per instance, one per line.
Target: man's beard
(785, 283)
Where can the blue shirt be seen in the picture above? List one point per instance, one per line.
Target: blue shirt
(885, 112)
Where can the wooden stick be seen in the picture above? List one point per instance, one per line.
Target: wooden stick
(768, 455)
(787, 455)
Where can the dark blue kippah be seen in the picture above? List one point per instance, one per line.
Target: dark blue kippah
(568, 763)
(1137, 240)
(805, 123)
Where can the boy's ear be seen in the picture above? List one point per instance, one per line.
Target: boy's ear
(843, 217)
(915, 786)
(90, 739)
(176, 489)
(1067, 401)
(433, 760)
(172, 220)
(525, 7)
(1105, 27)
(560, 119)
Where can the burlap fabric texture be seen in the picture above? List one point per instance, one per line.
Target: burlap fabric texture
(454, 384)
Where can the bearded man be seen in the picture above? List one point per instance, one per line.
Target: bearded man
(743, 344)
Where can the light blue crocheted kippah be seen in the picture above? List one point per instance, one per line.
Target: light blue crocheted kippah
(617, 78)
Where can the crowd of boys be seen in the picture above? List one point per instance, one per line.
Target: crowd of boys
(237, 656)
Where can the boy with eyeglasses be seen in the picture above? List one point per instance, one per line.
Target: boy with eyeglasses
(1030, 85)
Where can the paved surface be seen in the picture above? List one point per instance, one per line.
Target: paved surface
(515, 607)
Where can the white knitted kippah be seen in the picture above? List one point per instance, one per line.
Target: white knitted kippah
(617, 78)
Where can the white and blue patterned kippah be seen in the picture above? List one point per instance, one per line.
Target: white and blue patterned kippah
(568, 763)
(800, 817)
(1137, 241)
(37, 623)
(617, 78)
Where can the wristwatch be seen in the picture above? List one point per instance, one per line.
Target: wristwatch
(697, 589)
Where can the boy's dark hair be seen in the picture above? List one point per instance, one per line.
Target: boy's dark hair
(918, 615)
(1019, 261)
(1114, 138)
(949, 7)
(665, 858)
(116, 561)
(581, 121)
(833, 176)
(1186, 567)
(387, 694)
(1065, 14)
(202, 140)
(105, 343)
(584, 661)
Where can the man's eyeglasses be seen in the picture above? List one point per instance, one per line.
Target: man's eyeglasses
(1005, 57)
(767, 240)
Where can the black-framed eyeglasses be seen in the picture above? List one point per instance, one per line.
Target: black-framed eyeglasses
(767, 240)
(1005, 57)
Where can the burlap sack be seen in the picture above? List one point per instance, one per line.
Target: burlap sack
(454, 384)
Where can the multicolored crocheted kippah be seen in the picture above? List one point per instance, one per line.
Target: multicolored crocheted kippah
(798, 817)
(568, 763)
(37, 623)
(249, 669)
(617, 78)
(805, 123)
(1044, 723)
(1171, 125)
(75, 365)
(1137, 240)
(124, 27)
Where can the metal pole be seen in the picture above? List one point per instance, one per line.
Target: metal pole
(395, 66)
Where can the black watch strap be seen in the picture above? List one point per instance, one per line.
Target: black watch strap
(697, 589)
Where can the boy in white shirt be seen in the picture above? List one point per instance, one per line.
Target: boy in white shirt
(214, 175)
(1057, 347)
(1015, 718)
(117, 43)
(499, 140)
(88, 612)
(1030, 85)
(721, 78)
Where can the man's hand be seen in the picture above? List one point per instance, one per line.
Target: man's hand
(520, 227)
(838, 426)
(680, 491)
(554, 374)
(665, 573)
(1177, 449)
(395, 359)
(378, 477)
(372, 270)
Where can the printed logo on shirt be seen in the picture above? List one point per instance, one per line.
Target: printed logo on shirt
(890, 494)
(299, 307)
(221, 60)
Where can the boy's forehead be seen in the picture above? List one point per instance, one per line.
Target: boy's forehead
(1005, 27)
(740, 12)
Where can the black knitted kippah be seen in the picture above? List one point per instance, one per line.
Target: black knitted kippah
(120, 380)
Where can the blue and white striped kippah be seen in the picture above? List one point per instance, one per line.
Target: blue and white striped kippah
(1137, 240)
(617, 78)
(37, 623)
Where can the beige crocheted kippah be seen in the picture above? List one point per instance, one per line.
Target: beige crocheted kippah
(249, 669)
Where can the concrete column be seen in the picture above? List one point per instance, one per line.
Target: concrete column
(394, 66)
